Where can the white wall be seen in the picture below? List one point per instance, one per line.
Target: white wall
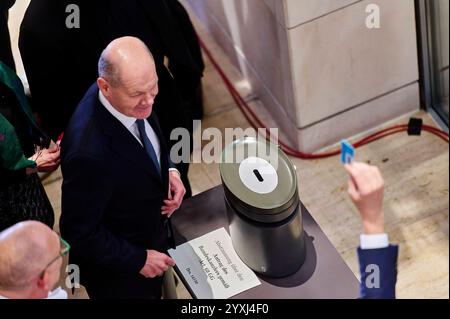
(317, 68)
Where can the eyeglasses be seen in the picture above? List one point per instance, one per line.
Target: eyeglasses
(65, 247)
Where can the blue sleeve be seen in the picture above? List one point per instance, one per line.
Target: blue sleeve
(378, 268)
(171, 164)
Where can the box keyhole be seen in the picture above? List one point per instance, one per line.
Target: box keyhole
(258, 175)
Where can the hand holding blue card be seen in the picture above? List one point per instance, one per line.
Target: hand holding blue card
(347, 152)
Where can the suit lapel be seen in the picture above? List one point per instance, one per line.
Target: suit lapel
(124, 143)
(153, 121)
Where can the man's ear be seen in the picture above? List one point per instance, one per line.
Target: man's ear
(43, 281)
(103, 86)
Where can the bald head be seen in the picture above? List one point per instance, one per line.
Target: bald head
(25, 250)
(128, 78)
(122, 58)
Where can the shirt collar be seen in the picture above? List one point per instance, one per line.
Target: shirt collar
(125, 120)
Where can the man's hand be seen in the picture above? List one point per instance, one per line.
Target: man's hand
(366, 187)
(47, 160)
(176, 194)
(156, 264)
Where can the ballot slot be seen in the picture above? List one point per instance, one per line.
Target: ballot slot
(258, 175)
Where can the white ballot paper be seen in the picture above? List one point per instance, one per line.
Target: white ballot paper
(211, 267)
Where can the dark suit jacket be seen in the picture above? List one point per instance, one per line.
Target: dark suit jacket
(111, 202)
(386, 261)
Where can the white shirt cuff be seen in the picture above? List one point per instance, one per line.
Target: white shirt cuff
(374, 241)
(174, 169)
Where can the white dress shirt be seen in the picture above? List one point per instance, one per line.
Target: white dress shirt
(131, 125)
(374, 241)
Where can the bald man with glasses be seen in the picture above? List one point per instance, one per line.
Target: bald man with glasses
(30, 262)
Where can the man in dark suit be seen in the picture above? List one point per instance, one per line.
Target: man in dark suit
(48, 46)
(119, 185)
(377, 258)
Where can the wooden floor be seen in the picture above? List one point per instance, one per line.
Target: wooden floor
(416, 205)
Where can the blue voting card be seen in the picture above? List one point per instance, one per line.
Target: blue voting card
(347, 152)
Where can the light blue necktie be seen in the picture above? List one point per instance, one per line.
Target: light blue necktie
(148, 145)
